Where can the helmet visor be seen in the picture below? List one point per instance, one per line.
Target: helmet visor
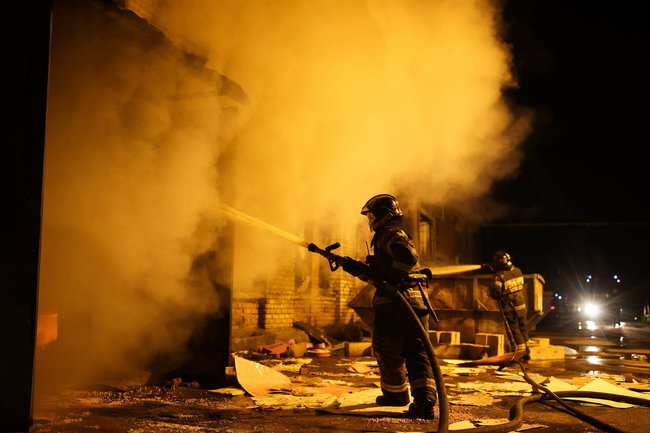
(371, 219)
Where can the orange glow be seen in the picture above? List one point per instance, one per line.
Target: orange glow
(47, 329)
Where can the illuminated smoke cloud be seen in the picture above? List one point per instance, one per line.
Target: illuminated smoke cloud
(129, 179)
(353, 98)
(347, 99)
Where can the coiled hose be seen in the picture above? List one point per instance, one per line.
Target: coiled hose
(515, 418)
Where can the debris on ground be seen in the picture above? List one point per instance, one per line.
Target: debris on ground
(497, 421)
(554, 385)
(319, 352)
(473, 399)
(362, 403)
(227, 391)
(283, 401)
(347, 397)
(600, 385)
(504, 359)
(178, 382)
(325, 388)
(636, 386)
(519, 376)
(291, 348)
(461, 371)
(461, 425)
(290, 365)
(329, 396)
(497, 388)
(359, 367)
(275, 349)
(258, 379)
(272, 389)
(315, 333)
(293, 365)
(586, 378)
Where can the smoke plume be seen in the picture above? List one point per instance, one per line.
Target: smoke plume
(355, 98)
(129, 184)
(348, 99)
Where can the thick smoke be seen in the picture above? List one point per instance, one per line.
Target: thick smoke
(129, 184)
(347, 99)
(354, 98)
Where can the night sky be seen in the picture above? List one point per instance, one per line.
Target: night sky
(578, 205)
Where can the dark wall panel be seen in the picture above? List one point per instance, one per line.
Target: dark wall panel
(24, 44)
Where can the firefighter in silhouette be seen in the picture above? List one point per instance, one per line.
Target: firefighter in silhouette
(396, 342)
(508, 288)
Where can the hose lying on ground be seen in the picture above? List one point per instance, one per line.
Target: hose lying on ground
(515, 419)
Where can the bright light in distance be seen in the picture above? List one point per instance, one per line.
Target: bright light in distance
(591, 325)
(591, 349)
(579, 309)
(594, 360)
(592, 309)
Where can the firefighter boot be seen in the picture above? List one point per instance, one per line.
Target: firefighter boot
(393, 399)
(421, 410)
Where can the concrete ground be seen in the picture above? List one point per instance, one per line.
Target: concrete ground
(181, 407)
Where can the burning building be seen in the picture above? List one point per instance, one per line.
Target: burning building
(159, 112)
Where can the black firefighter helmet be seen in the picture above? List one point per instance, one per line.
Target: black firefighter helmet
(501, 261)
(381, 209)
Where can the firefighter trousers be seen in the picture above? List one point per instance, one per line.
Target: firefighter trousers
(514, 309)
(401, 354)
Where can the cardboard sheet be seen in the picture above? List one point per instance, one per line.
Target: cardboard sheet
(600, 385)
(283, 401)
(257, 379)
(232, 391)
(473, 399)
(554, 384)
(497, 388)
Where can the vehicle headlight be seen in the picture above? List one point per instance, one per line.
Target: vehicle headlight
(592, 310)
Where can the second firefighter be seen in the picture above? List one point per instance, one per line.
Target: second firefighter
(508, 289)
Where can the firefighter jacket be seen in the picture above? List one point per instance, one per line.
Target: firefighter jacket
(394, 258)
(508, 287)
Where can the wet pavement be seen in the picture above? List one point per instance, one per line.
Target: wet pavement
(474, 394)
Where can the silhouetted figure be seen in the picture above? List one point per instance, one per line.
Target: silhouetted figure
(508, 289)
(396, 341)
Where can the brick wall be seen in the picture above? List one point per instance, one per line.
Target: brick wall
(246, 313)
(277, 306)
